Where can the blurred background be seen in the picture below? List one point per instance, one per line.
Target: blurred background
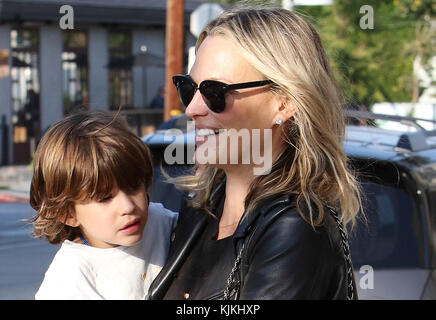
(57, 56)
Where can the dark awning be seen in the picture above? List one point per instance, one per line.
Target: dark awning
(139, 12)
(142, 59)
(148, 59)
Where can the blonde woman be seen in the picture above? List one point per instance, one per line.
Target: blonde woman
(276, 233)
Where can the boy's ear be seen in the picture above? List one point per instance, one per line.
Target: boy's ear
(71, 220)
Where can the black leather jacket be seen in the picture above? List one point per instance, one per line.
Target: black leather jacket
(284, 256)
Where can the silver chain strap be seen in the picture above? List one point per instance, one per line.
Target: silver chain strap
(346, 248)
(231, 285)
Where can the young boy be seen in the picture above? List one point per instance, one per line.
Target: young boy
(89, 188)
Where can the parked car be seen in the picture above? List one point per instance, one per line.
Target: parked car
(397, 170)
(393, 249)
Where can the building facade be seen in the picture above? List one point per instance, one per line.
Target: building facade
(58, 55)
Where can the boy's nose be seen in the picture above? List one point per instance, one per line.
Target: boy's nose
(126, 203)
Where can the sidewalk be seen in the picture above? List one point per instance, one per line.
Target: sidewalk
(15, 183)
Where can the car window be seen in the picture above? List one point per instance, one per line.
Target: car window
(388, 240)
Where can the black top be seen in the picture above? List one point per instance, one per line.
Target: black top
(207, 266)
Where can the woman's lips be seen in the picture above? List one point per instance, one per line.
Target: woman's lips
(202, 134)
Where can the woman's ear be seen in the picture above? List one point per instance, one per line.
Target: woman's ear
(284, 112)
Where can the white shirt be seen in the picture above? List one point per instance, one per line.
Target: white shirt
(81, 272)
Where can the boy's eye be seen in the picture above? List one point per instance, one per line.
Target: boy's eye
(105, 199)
(134, 189)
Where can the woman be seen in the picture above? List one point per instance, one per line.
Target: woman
(274, 234)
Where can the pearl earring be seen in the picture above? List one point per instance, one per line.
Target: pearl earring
(279, 122)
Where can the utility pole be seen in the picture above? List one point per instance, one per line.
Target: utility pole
(173, 53)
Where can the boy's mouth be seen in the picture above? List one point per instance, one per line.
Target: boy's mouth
(132, 226)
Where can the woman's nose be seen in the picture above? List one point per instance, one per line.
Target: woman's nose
(197, 106)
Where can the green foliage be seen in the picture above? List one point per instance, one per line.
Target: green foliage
(371, 64)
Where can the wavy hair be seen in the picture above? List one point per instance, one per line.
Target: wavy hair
(83, 156)
(286, 49)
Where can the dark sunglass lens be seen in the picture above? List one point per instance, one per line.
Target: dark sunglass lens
(218, 105)
(185, 89)
(214, 92)
(186, 93)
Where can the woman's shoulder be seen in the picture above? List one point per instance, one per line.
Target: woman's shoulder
(284, 243)
(281, 218)
(289, 219)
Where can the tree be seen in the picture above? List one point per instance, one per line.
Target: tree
(372, 64)
(423, 47)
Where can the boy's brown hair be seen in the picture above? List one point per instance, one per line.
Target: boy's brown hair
(82, 157)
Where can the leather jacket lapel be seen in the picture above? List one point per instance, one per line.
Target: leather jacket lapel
(183, 240)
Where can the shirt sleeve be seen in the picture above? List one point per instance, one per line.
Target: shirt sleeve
(157, 233)
(68, 278)
(168, 217)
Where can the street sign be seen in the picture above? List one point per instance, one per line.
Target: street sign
(202, 15)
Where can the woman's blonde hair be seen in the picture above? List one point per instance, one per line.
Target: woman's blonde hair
(286, 49)
(82, 157)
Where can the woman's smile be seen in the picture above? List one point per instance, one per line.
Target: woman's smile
(202, 135)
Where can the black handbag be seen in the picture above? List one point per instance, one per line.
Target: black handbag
(233, 285)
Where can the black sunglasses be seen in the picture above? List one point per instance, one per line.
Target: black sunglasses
(213, 91)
